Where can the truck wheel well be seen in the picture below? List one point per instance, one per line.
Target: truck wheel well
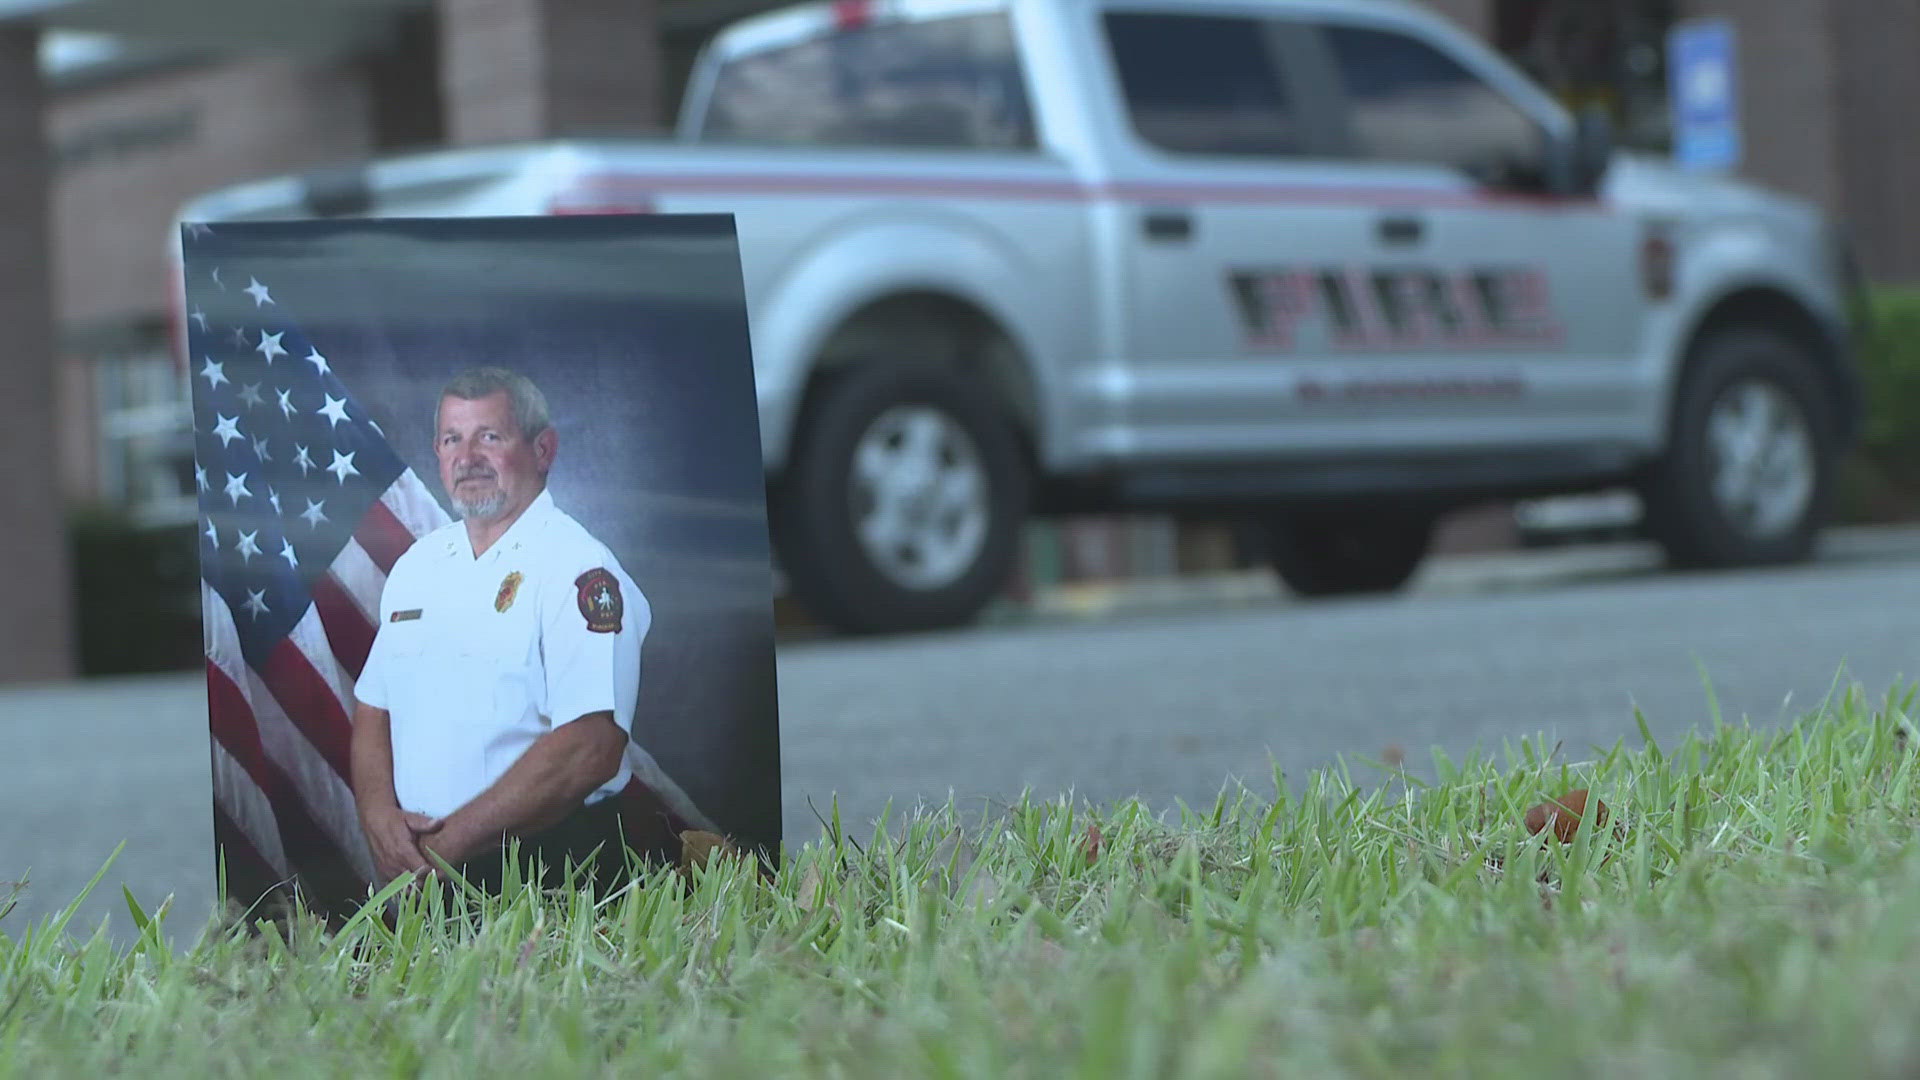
(937, 328)
(1764, 306)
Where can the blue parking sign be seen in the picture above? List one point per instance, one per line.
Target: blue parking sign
(1704, 89)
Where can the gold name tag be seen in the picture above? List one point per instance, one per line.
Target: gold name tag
(405, 616)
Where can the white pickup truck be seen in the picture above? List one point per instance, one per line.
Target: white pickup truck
(1331, 266)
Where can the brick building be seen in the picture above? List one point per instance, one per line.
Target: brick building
(114, 112)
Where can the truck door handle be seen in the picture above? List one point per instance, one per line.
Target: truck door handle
(1400, 229)
(1169, 225)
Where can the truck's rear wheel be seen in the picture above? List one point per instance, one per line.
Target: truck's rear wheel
(1349, 553)
(1747, 479)
(902, 504)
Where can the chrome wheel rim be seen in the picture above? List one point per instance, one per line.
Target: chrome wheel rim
(1760, 454)
(920, 497)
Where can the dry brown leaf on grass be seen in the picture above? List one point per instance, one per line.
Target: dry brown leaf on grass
(698, 848)
(1092, 846)
(1565, 814)
(812, 895)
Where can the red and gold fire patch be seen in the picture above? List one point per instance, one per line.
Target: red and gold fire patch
(509, 589)
(600, 604)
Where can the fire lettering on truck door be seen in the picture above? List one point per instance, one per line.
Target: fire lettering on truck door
(1413, 308)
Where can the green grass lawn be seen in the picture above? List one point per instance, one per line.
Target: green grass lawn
(1752, 908)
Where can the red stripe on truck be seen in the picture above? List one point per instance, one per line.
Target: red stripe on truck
(624, 192)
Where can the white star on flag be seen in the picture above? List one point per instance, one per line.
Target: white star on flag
(256, 602)
(212, 373)
(250, 395)
(335, 410)
(286, 404)
(342, 466)
(217, 281)
(301, 459)
(269, 346)
(237, 488)
(315, 513)
(286, 552)
(228, 429)
(213, 535)
(258, 292)
(319, 362)
(248, 546)
(274, 498)
(239, 337)
(260, 448)
(201, 318)
(200, 477)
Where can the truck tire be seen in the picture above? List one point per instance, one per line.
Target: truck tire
(903, 502)
(1748, 475)
(1349, 553)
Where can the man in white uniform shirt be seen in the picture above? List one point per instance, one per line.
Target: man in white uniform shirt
(499, 693)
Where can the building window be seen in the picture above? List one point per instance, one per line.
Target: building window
(1610, 53)
(146, 437)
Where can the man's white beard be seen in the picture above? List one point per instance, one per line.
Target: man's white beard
(482, 509)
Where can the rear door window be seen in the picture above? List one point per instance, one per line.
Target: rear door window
(937, 83)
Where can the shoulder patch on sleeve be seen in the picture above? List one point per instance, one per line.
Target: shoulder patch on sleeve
(598, 592)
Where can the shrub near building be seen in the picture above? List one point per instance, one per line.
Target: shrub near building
(1881, 482)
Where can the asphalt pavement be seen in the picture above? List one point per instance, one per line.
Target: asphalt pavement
(1166, 694)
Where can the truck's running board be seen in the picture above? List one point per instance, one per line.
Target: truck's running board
(1513, 474)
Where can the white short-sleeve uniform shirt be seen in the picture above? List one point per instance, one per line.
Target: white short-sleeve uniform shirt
(476, 658)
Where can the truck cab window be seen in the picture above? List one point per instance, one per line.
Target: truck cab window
(1409, 102)
(1202, 84)
(942, 83)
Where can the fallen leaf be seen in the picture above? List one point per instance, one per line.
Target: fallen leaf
(1092, 846)
(813, 889)
(1565, 815)
(697, 849)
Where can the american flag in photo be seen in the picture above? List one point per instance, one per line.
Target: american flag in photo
(304, 508)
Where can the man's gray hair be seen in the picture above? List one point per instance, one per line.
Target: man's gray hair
(529, 404)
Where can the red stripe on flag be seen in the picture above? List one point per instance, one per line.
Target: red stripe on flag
(233, 728)
(348, 631)
(228, 834)
(383, 536)
(249, 875)
(310, 703)
(647, 824)
(306, 844)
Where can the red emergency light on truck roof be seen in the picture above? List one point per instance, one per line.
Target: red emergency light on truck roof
(852, 14)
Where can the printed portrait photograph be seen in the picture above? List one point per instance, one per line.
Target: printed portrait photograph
(484, 550)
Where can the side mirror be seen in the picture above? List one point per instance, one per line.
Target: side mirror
(1593, 137)
(1578, 163)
